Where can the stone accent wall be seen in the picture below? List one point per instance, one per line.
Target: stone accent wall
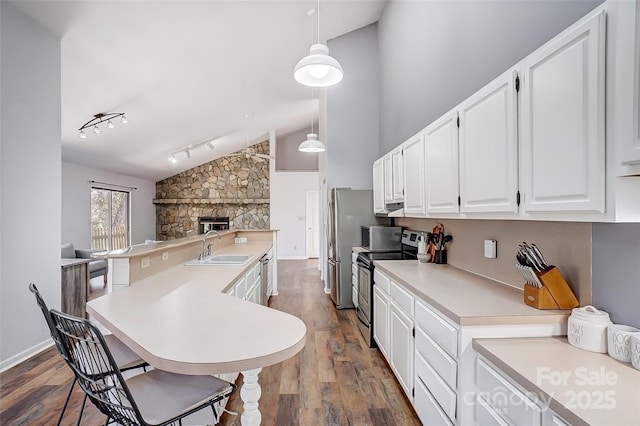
(234, 186)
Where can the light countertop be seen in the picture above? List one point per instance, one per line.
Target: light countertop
(466, 298)
(155, 246)
(180, 320)
(610, 396)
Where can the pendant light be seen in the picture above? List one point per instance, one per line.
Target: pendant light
(318, 69)
(312, 144)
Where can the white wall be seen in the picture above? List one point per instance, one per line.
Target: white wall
(76, 204)
(288, 199)
(289, 158)
(30, 182)
(352, 111)
(434, 54)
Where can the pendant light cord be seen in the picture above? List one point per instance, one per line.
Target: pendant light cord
(318, 21)
(312, 110)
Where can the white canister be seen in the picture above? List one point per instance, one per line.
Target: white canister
(620, 341)
(635, 350)
(587, 329)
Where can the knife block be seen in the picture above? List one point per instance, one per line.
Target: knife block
(555, 293)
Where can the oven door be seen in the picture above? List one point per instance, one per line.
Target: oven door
(364, 291)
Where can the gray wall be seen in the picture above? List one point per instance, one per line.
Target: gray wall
(434, 54)
(352, 111)
(288, 158)
(616, 271)
(30, 182)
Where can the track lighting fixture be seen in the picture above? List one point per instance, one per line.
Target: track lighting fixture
(101, 118)
(173, 158)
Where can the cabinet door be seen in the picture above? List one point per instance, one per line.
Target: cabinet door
(398, 175)
(401, 346)
(441, 144)
(562, 122)
(488, 148)
(414, 181)
(388, 178)
(378, 187)
(381, 320)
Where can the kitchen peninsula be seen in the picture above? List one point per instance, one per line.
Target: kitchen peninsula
(185, 318)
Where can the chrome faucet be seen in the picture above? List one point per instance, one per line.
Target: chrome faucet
(206, 251)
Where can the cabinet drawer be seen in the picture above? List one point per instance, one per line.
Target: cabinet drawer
(427, 408)
(402, 297)
(381, 281)
(256, 271)
(442, 393)
(486, 416)
(445, 366)
(440, 330)
(505, 398)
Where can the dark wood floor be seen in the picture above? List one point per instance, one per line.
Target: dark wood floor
(334, 380)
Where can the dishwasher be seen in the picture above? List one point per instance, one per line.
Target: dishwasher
(264, 279)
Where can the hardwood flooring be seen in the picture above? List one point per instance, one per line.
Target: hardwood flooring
(334, 380)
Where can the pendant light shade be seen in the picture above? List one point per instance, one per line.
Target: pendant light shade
(318, 69)
(312, 144)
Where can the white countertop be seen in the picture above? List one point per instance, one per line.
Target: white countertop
(152, 247)
(179, 320)
(466, 298)
(611, 397)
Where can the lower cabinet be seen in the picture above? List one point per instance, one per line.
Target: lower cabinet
(381, 319)
(428, 410)
(401, 349)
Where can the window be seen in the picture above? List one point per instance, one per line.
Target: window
(109, 219)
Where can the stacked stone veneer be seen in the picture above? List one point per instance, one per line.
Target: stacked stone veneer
(233, 186)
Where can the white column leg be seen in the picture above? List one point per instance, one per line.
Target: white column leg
(250, 394)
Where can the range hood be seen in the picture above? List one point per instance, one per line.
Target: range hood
(393, 210)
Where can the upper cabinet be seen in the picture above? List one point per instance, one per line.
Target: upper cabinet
(441, 144)
(414, 177)
(562, 122)
(489, 148)
(397, 174)
(378, 187)
(388, 178)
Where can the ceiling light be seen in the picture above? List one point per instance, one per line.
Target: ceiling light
(312, 144)
(318, 69)
(101, 118)
(173, 159)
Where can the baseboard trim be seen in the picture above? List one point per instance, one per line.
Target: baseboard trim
(25, 355)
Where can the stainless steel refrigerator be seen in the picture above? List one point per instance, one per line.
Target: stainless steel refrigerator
(348, 210)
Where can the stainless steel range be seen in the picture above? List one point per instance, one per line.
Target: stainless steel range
(409, 250)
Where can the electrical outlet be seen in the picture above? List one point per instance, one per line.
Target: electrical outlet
(490, 251)
(165, 255)
(145, 262)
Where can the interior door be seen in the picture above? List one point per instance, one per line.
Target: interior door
(312, 224)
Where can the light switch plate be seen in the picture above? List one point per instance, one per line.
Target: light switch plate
(165, 255)
(490, 251)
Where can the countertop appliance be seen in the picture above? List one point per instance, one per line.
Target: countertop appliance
(212, 223)
(408, 250)
(348, 211)
(381, 238)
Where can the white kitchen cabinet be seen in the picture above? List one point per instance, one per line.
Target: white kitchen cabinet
(378, 187)
(441, 145)
(387, 167)
(401, 346)
(397, 175)
(562, 122)
(381, 320)
(413, 162)
(488, 142)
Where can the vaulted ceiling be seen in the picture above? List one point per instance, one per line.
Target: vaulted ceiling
(184, 72)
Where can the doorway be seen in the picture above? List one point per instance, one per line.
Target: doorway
(312, 224)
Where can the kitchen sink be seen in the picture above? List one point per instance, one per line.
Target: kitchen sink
(221, 259)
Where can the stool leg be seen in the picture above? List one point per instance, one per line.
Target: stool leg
(84, 401)
(67, 401)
